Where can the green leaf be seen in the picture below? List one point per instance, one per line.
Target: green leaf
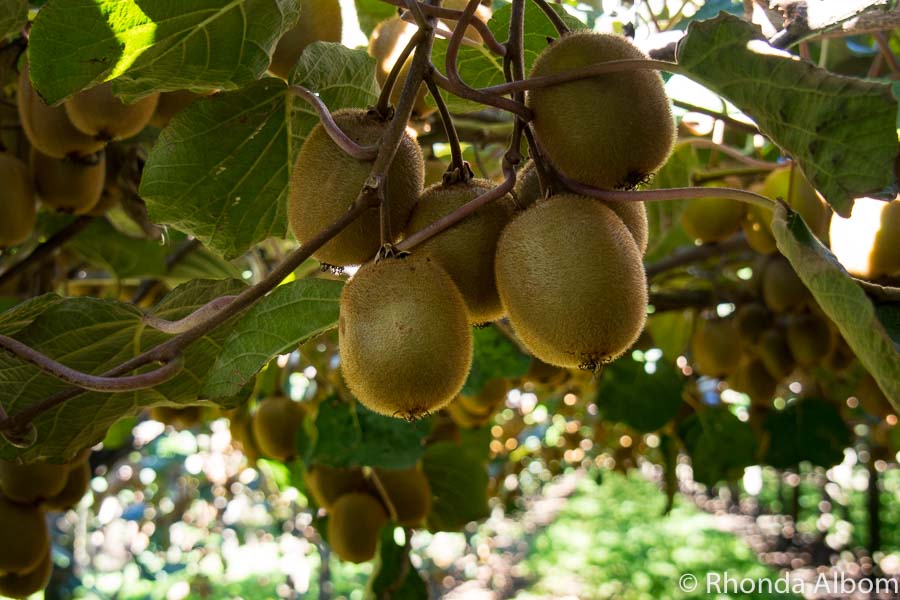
(458, 480)
(220, 170)
(13, 15)
(292, 314)
(643, 395)
(841, 298)
(808, 430)
(719, 444)
(373, 12)
(94, 335)
(495, 356)
(820, 119)
(350, 435)
(479, 67)
(154, 46)
(393, 575)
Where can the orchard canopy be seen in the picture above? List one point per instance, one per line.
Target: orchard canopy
(332, 297)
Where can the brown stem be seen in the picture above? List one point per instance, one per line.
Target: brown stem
(468, 93)
(728, 120)
(885, 47)
(332, 128)
(457, 163)
(554, 18)
(192, 320)
(731, 152)
(44, 250)
(384, 98)
(612, 66)
(697, 253)
(447, 13)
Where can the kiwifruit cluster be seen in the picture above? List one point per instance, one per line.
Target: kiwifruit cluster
(360, 502)
(17, 200)
(320, 21)
(326, 181)
(27, 492)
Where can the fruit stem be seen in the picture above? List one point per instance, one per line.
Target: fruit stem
(453, 15)
(334, 131)
(379, 486)
(47, 248)
(731, 152)
(554, 18)
(730, 121)
(198, 316)
(698, 253)
(457, 163)
(382, 107)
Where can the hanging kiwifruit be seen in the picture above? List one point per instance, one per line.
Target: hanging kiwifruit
(71, 185)
(99, 113)
(17, 207)
(320, 21)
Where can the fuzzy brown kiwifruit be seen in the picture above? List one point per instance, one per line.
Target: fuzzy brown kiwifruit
(715, 347)
(757, 227)
(488, 399)
(775, 353)
(31, 482)
(23, 585)
(405, 344)
(71, 185)
(712, 219)
(354, 523)
(408, 492)
(781, 287)
(629, 131)
(100, 114)
(528, 185)
(810, 339)
(753, 379)
(868, 243)
(320, 21)
(277, 427)
(327, 484)
(466, 250)
(465, 419)
(789, 184)
(570, 277)
(326, 181)
(77, 482)
(387, 42)
(26, 525)
(541, 373)
(48, 128)
(19, 213)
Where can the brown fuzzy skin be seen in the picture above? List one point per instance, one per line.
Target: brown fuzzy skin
(326, 182)
(170, 104)
(810, 339)
(28, 583)
(774, 352)
(76, 487)
(408, 492)
(72, 186)
(387, 41)
(461, 415)
(98, 113)
(28, 527)
(17, 200)
(277, 424)
(354, 523)
(629, 131)
(31, 482)
(528, 185)
(466, 250)
(405, 344)
(327, 484)
(320, 21)
(715, 347)
(486, 402)
(48, 128)
(712, 219)
(571, 279)
(781, 287)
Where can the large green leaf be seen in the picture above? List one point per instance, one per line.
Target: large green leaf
(350, 435)
(494, 356)
(840, 130)
(458, 480)
(220, 170)
(290, 315)
(842, 299)
(94, 335)
(13, 15)
(719, 444)
(641, 394)
(154, 46)
(808, 430)
(372, 12)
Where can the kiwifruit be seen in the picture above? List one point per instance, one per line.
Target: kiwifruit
(483, 12)
(528, 185)
(789, 184)
(241, 427)
(170, 104)
(179, 418)
(110, 197)
(70, 185)
(405, 344)
(48, 127)
(326, 181)
(867, 242)
(715, 346)
(541, 373)
(810, 339)
(327, 484)
(872, 399)
(461, 415)
(97, 112)
(570, 277)
(434, 171)
(16, 200)
(466, 250)
(488, 399)
(387, 42)
(444, 429)
(31, 482)
(354, 523)
(752, 319)
(782, 289)
(757, 226)
(26, 526)
(76, 487)
(775, 353)
(753, 379)
(408, 492)
(277, 427)
(712, 219)
(23, 585)
(320, 21)
(629, 131)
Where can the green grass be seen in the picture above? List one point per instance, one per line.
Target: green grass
(610, 541)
